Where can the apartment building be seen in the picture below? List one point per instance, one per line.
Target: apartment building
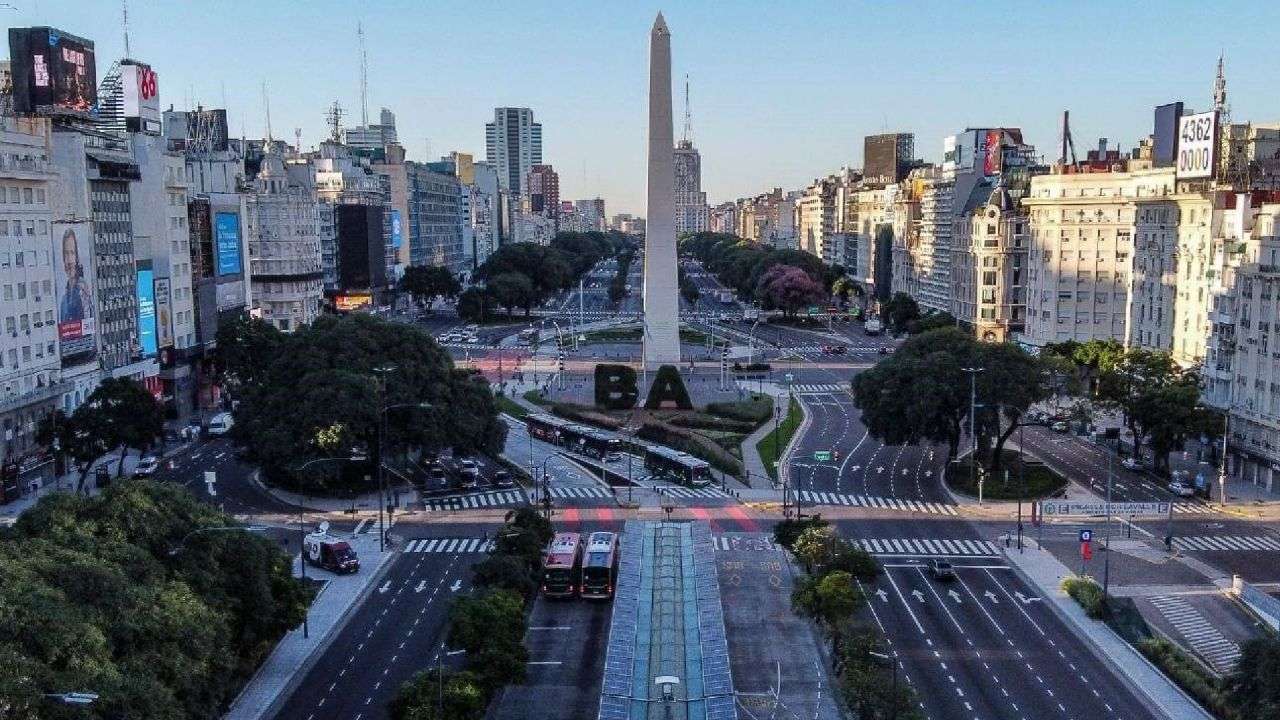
(988, 257)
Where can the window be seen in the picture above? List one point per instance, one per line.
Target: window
(28, 196)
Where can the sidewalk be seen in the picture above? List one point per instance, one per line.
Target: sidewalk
(1043, 571)
(295, 655)
(757, 473)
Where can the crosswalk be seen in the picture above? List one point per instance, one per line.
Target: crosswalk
(817, 389)
(913, 547)
(449, 545)
(1221, 543)
(468, 346)
(727, 543)
(582, 491)
(870, 501)
(818, 348)
(1205, 640)
(595, 491)
(684, 492)
(1192, 508)
(501, 498)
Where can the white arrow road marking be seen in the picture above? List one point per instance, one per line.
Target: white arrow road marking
(992, 597)
(385, 587)
(856, 468)
(954, 596)
(456, 586)
(1026, 600)
(879, 469)
(928, 473)
(919, 595)
(904, 471)
(422, 585)
(884, 596)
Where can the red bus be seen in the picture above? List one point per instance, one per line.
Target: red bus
(561, 565)
(600, 567)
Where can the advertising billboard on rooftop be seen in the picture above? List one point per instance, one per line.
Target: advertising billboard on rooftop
(53, 72)
(1197, 145)
(141, 88)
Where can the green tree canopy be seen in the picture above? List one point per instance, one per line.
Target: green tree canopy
(1160, 401)
(426, 284)
(512, 290)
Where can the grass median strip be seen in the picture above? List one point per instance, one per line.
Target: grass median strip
(771, 446)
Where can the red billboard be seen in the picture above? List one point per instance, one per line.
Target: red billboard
(53, 73)
(991, 161)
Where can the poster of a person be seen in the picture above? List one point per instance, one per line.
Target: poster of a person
(77, 298)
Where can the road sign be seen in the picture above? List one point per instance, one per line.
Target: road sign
(789, 377)
(1086, 536)
(821, 455)
(1052, 508)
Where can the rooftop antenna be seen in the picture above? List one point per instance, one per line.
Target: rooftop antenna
(266, 101)
(297, 138)
(688, 117)
(364, 78)
(124, 6)
(334, 118)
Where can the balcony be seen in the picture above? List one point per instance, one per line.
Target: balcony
(39, 395)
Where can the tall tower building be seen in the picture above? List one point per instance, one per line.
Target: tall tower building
(691, 203)
(513, 144)
(661, 308)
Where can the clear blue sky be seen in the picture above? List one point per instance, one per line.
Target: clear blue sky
(782, 91)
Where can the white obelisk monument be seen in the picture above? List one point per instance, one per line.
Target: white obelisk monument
(661, 306)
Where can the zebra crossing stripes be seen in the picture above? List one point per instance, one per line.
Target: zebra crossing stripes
(1204, 639)
(582, 491)
(449, 545)
(815, 389)
(920, 506)
(912, 547)
(477, 500)
(1227, 543)
(684, 492)
(1191, 508)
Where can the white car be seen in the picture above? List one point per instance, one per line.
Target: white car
(147, 466)
(1131, 464)
(1181, 489)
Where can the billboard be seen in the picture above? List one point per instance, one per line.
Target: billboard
(354, 301)
(991, 158)
(397, 236)
(73, 261)
(164, 314)
(53, 73)
(226, 242)
(1197, 145)
(146, 293)
(1166, 134)
(141, 97)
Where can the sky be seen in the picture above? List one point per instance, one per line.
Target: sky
(782, 92)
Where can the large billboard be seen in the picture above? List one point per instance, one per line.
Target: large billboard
(397, 233)
(1165, 134)
(141, 97)
(226, 242)
(73, 268)
(53, 72)
(147, 312)
(991, 158)
(1197, 145)
(164, 314)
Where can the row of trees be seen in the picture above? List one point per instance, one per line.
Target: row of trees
(830, 594)
(488, 625)
(523, 275)
(742, 265)
(618, 284)
(319, 392)
(141, 595)
(922, 392)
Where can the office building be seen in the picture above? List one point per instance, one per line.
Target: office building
(287, 282)
(691, 202)
(544, 191)
(887, 158)
(371, 140)
(513, 145)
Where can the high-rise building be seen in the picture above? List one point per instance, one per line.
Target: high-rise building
(513, 145)
(371, 140)
(592, 213)
(284, 248)
(887, 158)
(543, 189)
(691, 203)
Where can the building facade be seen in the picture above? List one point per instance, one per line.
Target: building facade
(287, 282)
(691, 201)
(513, 145)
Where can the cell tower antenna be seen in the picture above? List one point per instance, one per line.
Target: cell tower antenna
(124, 6)
(266, 102)
(297, 139)
(364, 77)
(688, 113)
(334, 117)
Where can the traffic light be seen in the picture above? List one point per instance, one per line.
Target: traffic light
(835, 455)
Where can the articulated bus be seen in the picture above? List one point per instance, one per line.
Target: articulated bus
(562, 565)
(575, 437)
(600, 566)
(676, 466)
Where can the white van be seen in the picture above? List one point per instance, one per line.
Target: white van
(220, 424)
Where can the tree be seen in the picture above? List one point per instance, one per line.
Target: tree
(1010, 383)
(474, 304)
(505, 572)
(688, 289)
(1254, 689)
(900, 312)
(440, 694)
(830, 599)
(426, 284)
(1159, 400)
(512, 290)
(932, 320)
(490, 627)
(118, 415)
(814, 546)
(789, 288)
(241, 345)
(787, 531)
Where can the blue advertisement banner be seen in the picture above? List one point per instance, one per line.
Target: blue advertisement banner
(226, 236)
(395, 229)
(146, 313)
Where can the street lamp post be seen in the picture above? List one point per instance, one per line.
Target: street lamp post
(302, 535)
(973, 426)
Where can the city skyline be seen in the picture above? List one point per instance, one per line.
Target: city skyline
(816, 106)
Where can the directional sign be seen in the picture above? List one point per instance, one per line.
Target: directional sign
(821, 455)
(1052, 508)
(1086, 535)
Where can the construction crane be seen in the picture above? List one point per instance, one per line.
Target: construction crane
(1067, 142)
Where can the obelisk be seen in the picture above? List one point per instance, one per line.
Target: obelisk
(661, 306)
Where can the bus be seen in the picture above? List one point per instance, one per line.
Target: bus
(561, 565)
(600, 568)
(578, 438)
(680, 467)
(547, 428)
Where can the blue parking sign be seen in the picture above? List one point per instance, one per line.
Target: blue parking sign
(1086, 536)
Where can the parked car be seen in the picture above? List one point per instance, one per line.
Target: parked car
(503, 479)
(1059, 427)
(147, 466)
(942, 570)
(1181, 489)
